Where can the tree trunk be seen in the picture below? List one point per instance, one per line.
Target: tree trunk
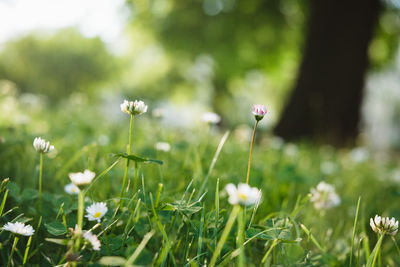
(325, 103)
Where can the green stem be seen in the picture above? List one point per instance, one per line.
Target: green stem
(240, 239)
(81, 207)
(40, 182)
(128, 151)
(354, 231)
(12, 250)
(28, 245)
(251, 151)
(225, 234)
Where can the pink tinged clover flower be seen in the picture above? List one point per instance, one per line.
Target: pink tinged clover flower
(19, 228)
(383, 225)
(92, 239)
(96, 211)
(243, 194)
(133, 107)
(259, 111)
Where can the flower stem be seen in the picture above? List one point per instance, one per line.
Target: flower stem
(40, 182)
(81, 207)
(28, 245)
(12, 250)
(128, 151)
(240, 239)
(225, 234)
(251, 151)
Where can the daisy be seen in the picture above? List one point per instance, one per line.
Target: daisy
(19, 228)
(42, 146)
(382, 225)
(243, 194)
(96, 211)
(259, 111)
(71, 189)
(133, 107)
(92, 239)
(211, 117)
(82, 178)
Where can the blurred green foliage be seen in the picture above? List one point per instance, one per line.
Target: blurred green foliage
(57, 65)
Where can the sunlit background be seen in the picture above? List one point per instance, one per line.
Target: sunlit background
(182, 56)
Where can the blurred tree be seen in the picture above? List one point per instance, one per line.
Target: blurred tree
(56, 65)
(326, 100)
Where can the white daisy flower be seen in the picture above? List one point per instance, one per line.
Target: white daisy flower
(211, 117)
(42, 146)
(19, 228)
(324, 196)
(92, 239)
(382, 225)
(82, 178)
(71, 189)
(259, 111)
(96, 211)
(243, 194)
(163, 146)
(133, 107)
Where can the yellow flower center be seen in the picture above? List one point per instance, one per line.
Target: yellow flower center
(97, 214)
(242, 196)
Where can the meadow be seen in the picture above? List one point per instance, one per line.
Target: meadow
(164, 194)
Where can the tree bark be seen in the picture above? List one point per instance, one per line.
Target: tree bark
(326, 100)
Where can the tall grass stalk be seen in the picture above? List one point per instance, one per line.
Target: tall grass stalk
(375, 252)
(12, 250)
(128, 151)
(231, 220)
(354, 231)
(251, 151)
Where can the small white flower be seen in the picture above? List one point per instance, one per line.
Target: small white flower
(163, 146)
(82, 178)
(382, 225)
(243, 194)
(42, 146)
(211, 117)
(259, 111)
(71, 189)
(324, 196)
(133, 107)
(158, 113)
(328, 167)
(92, 239)
(96, 211)
(359, 154)
(291, 150)
(19, 228)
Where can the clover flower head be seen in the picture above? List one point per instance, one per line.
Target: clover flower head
(163, 146)
(82, 178)
(19, 228)
(71, 189)
(243, 194)
(42, 146)
(259, 111)
(96, 211)
(324, 196)
(211, 118)
(136, 107)
(383, 225)
(92, 239)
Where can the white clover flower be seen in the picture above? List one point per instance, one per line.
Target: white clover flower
(158, 113)
(259, 111)
(71, 189)
(92, 239)
(359, 154)
(382, 225)
(42, 146)
(243, 194)
(82, 178)
(19, 228)
(328, 167)
(324, 196)
(133, 107)
(163, 146)
(96, 211)
(210, 117)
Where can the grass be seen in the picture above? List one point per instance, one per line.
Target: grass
(179, 214)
